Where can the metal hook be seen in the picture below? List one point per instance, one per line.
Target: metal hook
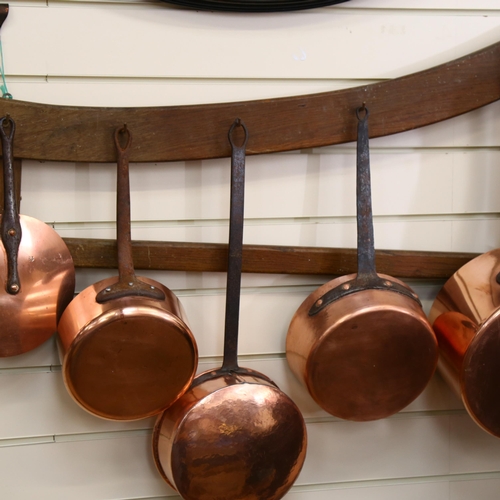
(123, 130)
(237, 123)
(360, 110)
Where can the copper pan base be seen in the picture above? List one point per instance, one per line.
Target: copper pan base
(466, 319)
(365, 356)
(47, 278)
(232, 437)
(128, 358)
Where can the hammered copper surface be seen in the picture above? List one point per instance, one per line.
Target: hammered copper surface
(466, 319)
(235, 437)
(128, 358)
(47, 283)
(364, 357)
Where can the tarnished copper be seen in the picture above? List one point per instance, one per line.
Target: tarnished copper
(466, 319)
(234, 435)
(361, 344)
(37, 275)
(128, 350)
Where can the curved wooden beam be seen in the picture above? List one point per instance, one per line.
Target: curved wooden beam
(66, 133)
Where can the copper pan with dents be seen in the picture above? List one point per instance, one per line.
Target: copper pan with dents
(361, 344)
(234, 435)
(466, 319)
(37, 275)
(128, 351)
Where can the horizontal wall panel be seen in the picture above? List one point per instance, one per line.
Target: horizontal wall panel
(485, 489)
(44, 355)
(288, 45)
(44, 395)
(390, 448)
(411, 491)
(277, 186)
(82, 470)
(339, 451)
(472, 449)
(190, 283)
(434, 235)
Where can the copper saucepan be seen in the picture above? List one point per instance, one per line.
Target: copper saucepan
(234, 435)
(36, 271)
(361, 344)
(466, 319)
(128, 351)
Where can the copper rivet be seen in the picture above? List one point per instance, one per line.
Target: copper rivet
(319, 302)
(12, 232)
(387, 283)
(108, 289)
(152, 287)
(346, 287)
(14, 288)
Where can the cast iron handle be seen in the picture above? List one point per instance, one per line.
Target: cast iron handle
(11, 225)
(128, 285)
(367, 277)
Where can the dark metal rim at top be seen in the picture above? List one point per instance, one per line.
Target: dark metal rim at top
(254, 5)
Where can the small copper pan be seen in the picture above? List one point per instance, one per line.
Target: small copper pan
(128, 351)
(234, 435)
(466, 320)
(361, 344)
(36, 269)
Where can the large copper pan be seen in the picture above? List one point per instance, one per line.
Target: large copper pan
(466, 319)
(128, 351)
(361, 344)
(36, 268)
(234, 435)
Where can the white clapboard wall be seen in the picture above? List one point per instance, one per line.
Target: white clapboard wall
(435, 188)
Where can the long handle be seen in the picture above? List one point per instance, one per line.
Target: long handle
(128, 285)
(123, 219)
(364, 217)
(230, 359)
(11, 225)
(367, 277)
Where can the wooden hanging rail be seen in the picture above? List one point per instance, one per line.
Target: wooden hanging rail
(69, 133)
(83, 134)
(211, 257)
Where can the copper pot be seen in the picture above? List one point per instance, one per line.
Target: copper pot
(36, 268)
(234, 435)
(128, 350)
(361, 344)
(466, 319)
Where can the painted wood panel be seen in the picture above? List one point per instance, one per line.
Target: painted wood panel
(288, 45)
(44, 395)
(277, 187)
(344, 452)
